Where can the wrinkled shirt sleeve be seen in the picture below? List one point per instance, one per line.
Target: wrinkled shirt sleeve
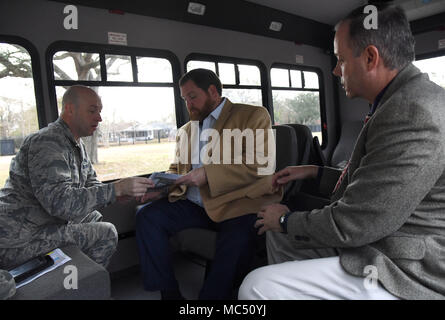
(56, 180)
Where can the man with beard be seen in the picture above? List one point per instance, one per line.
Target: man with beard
(217, 195)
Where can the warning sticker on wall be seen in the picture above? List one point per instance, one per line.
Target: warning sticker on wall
(117, 38)
(299, 59)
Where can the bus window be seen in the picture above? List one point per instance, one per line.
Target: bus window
(296, 97)
(76, 66)
(310, 80)
(249, 75)
(241, 82)
(201, 64)
(227, 73)
(118, 68)
(154, 70)
(295, 78)
(137, 132)
(434, 68)
(18, 111)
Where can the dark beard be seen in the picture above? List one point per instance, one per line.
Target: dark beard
(202, 114)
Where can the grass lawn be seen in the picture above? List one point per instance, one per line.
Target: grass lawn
(130, 160)
(120, 161)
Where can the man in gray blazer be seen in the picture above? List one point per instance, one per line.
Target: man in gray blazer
(383, 234)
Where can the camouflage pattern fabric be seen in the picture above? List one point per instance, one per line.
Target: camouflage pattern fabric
(7, 285)
(50, 199)
(98, 240)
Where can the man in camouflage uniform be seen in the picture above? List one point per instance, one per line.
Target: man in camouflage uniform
(52, 193)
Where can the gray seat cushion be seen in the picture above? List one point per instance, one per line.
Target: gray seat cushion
(93, 281)
(197, 241)
(349, 134)
(286, 146)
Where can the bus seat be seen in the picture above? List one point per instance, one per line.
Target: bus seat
(342, 152)
(308, 196)
(318, 155)
(93, 281)
(287, 151)
(197, 241)
(309, 151)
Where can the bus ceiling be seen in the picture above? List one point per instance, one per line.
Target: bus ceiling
(281, 19)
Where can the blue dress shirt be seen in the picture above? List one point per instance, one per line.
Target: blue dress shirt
(208, 123)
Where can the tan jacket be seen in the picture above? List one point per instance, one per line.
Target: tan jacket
(233, 189)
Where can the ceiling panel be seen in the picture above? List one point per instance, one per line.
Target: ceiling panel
(325, 11)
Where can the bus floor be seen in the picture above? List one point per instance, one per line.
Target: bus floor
(189, 271)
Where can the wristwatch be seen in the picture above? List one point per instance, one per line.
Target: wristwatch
(283, 221)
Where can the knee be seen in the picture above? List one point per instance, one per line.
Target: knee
(101, 243)
(240, 230)
(140, 216)
(109, 233)
(149, 216)
(256, 285)
(143, 217)
(7, 285)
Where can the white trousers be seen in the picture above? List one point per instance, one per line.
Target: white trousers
(309, 279)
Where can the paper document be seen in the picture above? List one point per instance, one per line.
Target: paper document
(59, 258)
(162, 180)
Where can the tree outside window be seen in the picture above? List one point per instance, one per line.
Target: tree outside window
(18, 111)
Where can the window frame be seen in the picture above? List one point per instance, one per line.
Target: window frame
(430, 55)
(320, 90)
(36, 74)
(225, 59)
(102, 50)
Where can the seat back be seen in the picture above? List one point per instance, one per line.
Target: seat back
(309, 151)
(286, 146)
(342, 152)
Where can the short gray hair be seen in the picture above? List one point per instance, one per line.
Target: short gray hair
(393, 37)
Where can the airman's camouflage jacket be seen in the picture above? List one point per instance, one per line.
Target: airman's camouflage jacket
(51, 181)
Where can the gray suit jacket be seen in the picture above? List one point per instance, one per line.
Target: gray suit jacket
(389, 211)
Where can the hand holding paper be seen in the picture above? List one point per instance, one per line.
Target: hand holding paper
(196, 178)
(162, 180)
